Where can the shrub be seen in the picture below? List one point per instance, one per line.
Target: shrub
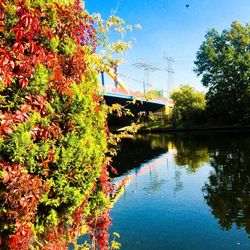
(52, 126)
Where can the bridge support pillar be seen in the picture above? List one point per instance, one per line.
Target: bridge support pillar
(102, 75)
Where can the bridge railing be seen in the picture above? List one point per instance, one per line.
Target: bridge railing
(136, 94)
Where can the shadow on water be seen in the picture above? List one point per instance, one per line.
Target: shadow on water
(132, 152)
(227, 189)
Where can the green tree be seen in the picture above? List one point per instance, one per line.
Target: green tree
(223, 61)
(155, 93)
(189, 104)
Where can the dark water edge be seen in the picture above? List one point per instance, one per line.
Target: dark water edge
(221, 128)
(184, 191)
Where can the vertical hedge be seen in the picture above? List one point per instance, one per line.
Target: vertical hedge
(52, 126)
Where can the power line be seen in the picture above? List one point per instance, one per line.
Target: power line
(147, 67)
(130, 78)
(170, 71)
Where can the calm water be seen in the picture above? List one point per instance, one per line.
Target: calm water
(183, 191)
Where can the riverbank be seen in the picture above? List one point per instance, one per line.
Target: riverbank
(142, 129)
(194, 128)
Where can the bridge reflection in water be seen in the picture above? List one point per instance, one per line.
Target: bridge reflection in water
(154, 154)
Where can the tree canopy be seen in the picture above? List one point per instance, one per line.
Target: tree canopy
(188, 104)
(223, 61)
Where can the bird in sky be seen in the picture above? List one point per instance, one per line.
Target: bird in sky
(187, 5)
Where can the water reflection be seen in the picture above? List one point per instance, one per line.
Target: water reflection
(132, 152)
(154, 184)
(227, 189)
(189, 155)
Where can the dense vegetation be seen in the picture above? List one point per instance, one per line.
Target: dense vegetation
(223, 61)
(53, 135)
(189, 105)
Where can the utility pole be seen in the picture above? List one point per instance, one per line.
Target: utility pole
(170, 71)
(147, 67)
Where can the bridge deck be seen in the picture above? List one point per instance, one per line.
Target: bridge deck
(141, 104)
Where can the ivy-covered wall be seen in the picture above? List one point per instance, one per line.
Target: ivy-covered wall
(53, 134)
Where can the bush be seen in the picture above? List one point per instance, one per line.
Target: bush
(53, 135)
(189, 105)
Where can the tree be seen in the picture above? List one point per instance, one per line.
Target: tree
(154, 94)
(223, 61)
(189, 104)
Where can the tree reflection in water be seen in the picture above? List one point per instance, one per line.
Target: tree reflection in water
(228, 189)
(190, 154)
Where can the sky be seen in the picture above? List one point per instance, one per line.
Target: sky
(169, 27)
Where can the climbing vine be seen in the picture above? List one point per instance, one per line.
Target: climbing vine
(53, 134)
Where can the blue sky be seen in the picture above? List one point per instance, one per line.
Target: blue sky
(168, 26)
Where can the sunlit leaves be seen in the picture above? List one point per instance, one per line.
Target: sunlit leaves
(52, 123)
(223, 62)
(188, 104)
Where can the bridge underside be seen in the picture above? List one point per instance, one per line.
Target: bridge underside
(141, 104)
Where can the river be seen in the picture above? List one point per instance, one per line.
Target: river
(183, 191)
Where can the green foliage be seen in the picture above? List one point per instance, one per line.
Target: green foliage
(39, 83)
(114, 243)
(53, 134)
(69, 47)
(189, 105)
(223, 61)
(154, 93)
(54, 43)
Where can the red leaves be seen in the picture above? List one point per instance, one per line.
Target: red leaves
(18, 48)
(38, 103)
(99, 226)
(22, 237)
(113, 170)
(29, 24)
(57, 73)
(96, 97)
(6, 67)
(49, 33)
(2, 16)
(107, 187)
(23, 191)
(21, 115)
(45, 162)
(6, 124)
(25, 46)
(6, 177)
(43, 133)
(27, 19)
(8, 120)
(56, 238)
(23, 82)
